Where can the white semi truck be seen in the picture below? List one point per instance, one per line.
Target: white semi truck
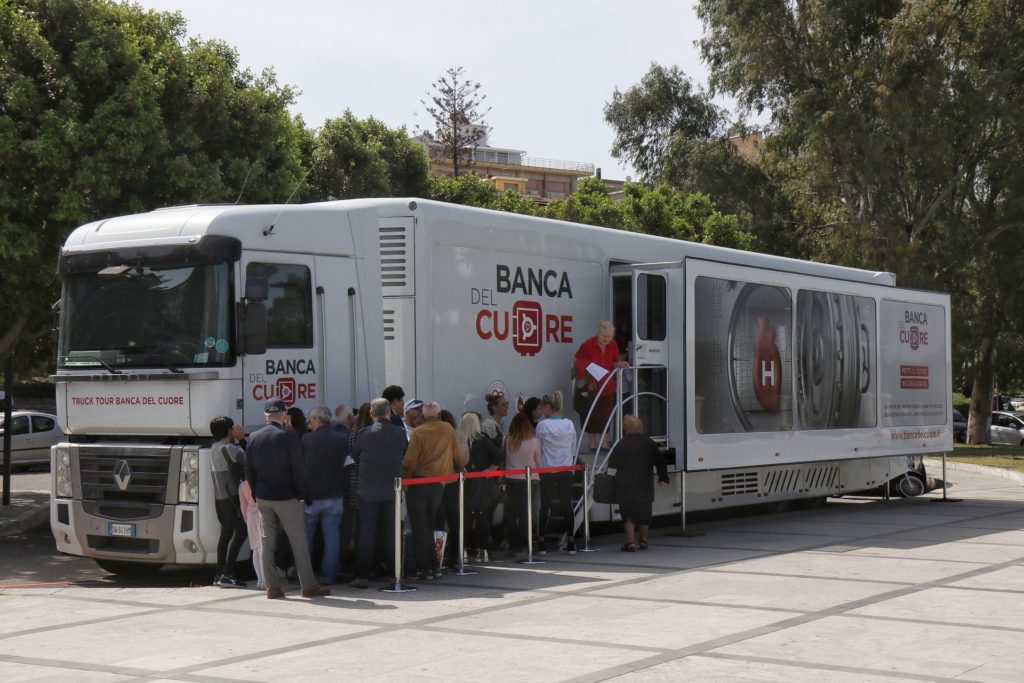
(765, 378)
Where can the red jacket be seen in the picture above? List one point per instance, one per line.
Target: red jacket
(590, 352)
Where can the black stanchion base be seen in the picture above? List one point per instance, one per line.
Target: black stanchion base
(462, 571)
(530, 560)
(399, 587)
(685, 534)
(587, 549)
(947, 500)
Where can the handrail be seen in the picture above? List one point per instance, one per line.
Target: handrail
(600, 465)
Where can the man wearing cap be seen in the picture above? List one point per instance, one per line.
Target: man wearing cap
(276, 472)
(413, 415)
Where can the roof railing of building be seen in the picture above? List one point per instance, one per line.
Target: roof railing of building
(578, 166)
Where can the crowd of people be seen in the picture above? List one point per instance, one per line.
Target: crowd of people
(321, 486)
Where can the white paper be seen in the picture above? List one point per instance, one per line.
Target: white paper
(596, 371)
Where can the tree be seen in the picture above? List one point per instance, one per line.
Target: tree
(106, 109)
(459, 125)
(364, 158)
(657, 119)
(672, 132)
(903, 121)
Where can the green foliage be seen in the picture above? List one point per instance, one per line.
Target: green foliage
(106, 109)
(658, 119)
(672, 132)
(354, 157)
(467, 189)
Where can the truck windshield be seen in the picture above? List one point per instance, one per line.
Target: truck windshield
(139, 316)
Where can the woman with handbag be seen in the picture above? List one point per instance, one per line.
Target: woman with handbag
(633, 460)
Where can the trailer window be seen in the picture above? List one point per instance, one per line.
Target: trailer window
(836, 342)
(650, 319)
(743, 356)
(290, 304)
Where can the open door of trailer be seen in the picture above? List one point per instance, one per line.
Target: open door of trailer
(647, 310)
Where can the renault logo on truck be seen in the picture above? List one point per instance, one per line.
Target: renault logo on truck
(122, 475)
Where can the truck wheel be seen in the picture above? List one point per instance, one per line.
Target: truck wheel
(910, 486)
(128, 569)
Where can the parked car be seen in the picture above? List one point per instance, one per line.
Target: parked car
(1017, 402)
(1007, 428)
(959, 427)
(32, 434)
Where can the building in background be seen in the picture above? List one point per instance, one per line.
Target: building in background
(510, 169)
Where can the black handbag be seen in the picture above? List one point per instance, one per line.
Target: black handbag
(604, 488)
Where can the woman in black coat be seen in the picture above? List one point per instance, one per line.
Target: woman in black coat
(481, 493)
(634, 459)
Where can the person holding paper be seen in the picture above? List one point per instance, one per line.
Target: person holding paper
(595, 358)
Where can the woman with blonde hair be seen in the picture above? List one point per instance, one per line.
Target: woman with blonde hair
(633, 460)
(482, 493)
(522, 450)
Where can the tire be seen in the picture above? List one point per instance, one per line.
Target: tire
(910, 486)
(128, 569)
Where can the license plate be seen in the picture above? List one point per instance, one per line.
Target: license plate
(121, 529)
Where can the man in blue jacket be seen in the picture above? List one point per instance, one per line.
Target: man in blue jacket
(276, 473)
(379, 449)
(324, 450)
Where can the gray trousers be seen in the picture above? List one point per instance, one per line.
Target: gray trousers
(288, 515)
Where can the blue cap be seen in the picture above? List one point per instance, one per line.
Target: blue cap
(274, 405)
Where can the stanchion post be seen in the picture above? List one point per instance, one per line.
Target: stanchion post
(399, 587)
(586, 511)
(529, 520)
(682, 510)
(945, 486)
(462, 571)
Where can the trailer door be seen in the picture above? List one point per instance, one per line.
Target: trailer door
(648, 289)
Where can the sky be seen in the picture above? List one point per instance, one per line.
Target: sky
(547, 67)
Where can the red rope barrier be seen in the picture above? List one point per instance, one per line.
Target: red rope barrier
(444, 479)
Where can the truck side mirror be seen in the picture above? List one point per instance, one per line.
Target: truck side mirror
(252, 328)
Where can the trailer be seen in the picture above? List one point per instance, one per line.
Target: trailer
(763, 378)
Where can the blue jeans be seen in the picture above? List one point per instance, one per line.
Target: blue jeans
(328, 513)
(376, 536)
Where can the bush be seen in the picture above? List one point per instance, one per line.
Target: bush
(962, 403)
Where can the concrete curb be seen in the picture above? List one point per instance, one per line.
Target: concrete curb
(26, 512)
(952, 466)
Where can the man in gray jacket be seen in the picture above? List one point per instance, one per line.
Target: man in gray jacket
(379, 450)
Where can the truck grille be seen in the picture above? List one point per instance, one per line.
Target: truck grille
(123, 485)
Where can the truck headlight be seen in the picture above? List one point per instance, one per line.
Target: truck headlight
(188, 487)
(62, 471)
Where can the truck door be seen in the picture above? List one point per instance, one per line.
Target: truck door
(291, 369)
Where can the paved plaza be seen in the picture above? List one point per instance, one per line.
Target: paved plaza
(861, 590)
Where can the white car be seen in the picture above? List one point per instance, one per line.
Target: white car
(1007, 428)
(32, 434)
